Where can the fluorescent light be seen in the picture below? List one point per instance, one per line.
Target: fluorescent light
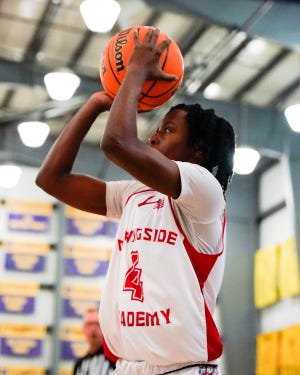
(61, 85)
(245, 160)
(9, 175)
(193, 86)
(100, 15)
(212, 90)
(33, 133)
(240, 36)
(292, 114)
(257, 46)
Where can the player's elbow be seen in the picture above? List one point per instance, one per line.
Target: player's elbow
(47, 183)
(41, 181)
(112, 147)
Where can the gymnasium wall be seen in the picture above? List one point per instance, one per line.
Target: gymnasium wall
(52, 265)
(276, 276)
(260, 298)
(275, 197)
(236, 303)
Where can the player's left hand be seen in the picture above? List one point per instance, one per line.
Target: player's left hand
(146, 55)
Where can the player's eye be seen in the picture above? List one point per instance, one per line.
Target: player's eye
(165, 128)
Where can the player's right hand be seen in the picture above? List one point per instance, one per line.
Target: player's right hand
(103, 100)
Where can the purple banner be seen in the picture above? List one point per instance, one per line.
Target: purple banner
(17, 304)
(84, 227)
(74, 308)
(68, 349)
(25, 262)
(21, 347)
(28, 223)
(112, 227)
(69, 310)
(85, 267)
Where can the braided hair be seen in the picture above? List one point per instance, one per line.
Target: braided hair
(214, 137)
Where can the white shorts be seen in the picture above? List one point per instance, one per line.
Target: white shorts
(124, 367)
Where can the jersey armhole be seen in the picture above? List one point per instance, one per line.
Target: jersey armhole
(185, 236)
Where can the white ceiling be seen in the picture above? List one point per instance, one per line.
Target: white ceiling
(249, 48)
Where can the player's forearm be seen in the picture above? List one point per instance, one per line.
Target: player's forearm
(62, 155)
(121, 128)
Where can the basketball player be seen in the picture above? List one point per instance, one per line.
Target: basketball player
(167, 265)
(94, 362)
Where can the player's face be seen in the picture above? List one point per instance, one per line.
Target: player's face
(92, 330)
(171, 137)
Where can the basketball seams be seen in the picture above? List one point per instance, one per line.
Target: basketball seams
(169, 94)
(167, 91)
(112, 46)
(166, 55)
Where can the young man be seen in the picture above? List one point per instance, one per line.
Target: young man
(167, 266)
(94, 362)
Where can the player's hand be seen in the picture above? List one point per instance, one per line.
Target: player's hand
(144, 59)
(103, 100)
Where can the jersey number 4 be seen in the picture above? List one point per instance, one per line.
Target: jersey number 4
(133, 281)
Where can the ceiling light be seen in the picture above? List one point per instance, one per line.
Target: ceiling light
(33, 133)
(292, 114)
(240, 36)
(193, 87)
(212, 90)
(100, 16)
(61, 85)
(257, 46)
(9, 175)
(245, 160)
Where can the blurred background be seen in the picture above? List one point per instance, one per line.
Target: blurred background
(242, 58)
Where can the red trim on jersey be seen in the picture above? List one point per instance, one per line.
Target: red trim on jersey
(184, 235)
(214, 342)
(203, 264)
(108, 354)
(137, 192)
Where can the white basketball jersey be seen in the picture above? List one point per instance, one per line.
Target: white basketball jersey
(160, 292)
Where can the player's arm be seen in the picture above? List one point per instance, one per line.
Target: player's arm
(55, 175)
(120, 142)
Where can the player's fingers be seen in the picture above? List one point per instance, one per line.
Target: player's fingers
(148, 34)
(164, 44)
(168, 77)
(136, 36)
(152, 35)
(155, 35)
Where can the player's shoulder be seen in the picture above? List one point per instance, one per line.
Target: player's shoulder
(194, 172)
(199, 185)
(124, 186)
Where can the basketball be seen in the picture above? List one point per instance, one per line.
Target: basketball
(115, 58)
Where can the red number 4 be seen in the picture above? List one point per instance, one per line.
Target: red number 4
(133, 281)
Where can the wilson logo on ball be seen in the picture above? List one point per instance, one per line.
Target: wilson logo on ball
(121, 40)
(114, 62)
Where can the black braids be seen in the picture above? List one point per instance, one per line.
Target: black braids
(225, 144)
(215, 137)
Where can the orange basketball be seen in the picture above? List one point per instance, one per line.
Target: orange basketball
(115, 58)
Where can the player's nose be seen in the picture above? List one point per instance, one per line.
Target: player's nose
(153, 139)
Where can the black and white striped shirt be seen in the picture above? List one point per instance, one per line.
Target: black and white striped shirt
(94, 364)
